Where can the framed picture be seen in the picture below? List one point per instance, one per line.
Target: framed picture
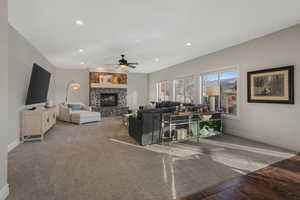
(105, 79)
(275, 85)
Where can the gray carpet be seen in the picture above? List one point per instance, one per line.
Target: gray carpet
(97, 162)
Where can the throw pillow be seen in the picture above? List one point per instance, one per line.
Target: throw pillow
(74, 106)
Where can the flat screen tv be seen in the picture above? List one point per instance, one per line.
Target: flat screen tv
(38, 86)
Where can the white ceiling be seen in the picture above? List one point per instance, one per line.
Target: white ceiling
(144, 29)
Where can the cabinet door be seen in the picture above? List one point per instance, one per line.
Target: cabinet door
(31, 125)
(52, 117)
(46, 121)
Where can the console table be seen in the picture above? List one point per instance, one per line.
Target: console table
(184, 126)
(35, 123)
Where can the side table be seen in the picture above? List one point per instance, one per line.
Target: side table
(125, 118)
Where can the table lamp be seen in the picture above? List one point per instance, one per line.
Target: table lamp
(212, 92)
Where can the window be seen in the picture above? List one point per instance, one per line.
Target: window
(219, 91)
(184, 90)
(189, 90)
(228, 86)
(179, 90)
(211, 90)
(164, 91)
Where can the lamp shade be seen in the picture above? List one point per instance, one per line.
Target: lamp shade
(74, 85)
(212, 91)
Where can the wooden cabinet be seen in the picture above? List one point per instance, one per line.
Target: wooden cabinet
(35, 123)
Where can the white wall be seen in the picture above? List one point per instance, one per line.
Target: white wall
(21, 57)
(275, 124)
(137, 91)
(3, 99)
(63, 76)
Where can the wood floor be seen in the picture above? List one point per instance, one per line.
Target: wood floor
(278, 181)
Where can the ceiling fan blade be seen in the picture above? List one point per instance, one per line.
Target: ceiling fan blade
(131, 66)
(111, 64)
(133, 63)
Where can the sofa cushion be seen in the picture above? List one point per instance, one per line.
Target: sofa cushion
(83, 116)
(74, 107)
(83, 113)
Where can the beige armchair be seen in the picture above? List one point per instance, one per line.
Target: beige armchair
(84, 115)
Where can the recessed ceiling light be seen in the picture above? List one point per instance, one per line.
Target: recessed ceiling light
(80, 50)
(82, 63)
(79, 22)
(188, 44)
(156, 59)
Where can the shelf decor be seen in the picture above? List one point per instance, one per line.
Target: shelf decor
(181, 127)
(108, 80)
(275, 85)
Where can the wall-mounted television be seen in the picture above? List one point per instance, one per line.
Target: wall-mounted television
(38, 86)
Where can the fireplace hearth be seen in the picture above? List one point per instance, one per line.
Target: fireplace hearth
(108, 99)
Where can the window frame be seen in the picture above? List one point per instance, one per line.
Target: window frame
(174, 89)
(184, 78)
(219, 71)
(158, 89)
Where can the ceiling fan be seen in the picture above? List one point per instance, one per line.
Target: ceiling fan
(123, 63)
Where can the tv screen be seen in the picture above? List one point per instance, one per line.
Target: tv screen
(38, 86)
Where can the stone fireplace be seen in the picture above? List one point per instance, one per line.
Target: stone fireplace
(109, 101)
(108, 93)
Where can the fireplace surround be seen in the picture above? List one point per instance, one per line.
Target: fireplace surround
(109, 101)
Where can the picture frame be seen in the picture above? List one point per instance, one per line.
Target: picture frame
(274, 85)
(105, 79)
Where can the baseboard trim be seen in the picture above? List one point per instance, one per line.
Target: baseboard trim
(13, 145)
(237, 133)
(4, 192)
(231, 131)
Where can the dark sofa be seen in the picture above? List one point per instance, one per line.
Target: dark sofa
(145, 127)
(167, 104)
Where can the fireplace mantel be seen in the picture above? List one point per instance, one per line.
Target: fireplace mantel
(101, 85)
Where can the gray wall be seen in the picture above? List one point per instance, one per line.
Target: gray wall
(4, 94)
(21, 57)
(275, 124)
(137, 91)
(63, 76)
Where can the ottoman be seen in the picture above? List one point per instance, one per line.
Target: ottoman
(83, 116)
